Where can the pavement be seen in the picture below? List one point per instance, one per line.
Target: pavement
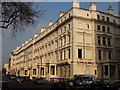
(26, 85)
(29, 85)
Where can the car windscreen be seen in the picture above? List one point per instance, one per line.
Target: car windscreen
(39, 79)
(87, 78)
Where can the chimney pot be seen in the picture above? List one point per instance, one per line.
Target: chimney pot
(50, 23)
(42, 29)
(75, 4)
(61, 14)
(92, 6)
(110, 10)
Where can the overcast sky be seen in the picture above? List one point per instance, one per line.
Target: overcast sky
(9, 43)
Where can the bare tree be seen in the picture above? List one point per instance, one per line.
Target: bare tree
(19, 14)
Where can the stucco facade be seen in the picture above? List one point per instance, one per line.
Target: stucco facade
(6, 67)
(80, 42)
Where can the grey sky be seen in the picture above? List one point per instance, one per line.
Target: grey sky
(53, 8)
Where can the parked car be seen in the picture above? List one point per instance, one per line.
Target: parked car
(19, 79)
(59, 85)
(38, 81)
(98, 85)
(13, 77)
(116, 85)
(26, 78)
(4, 76)
(4, 85)
(81, 81)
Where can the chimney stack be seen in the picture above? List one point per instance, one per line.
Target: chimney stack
(110, 10)
(61, 14)
(35, 35)
(92, 6)
(50, 23)
(42, 29)
(75, 4)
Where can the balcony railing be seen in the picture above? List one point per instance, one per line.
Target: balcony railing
(64, 61)
(81, 60)
(50, 61)
(107, 60)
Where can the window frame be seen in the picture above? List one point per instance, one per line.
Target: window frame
(99, 54)
(80, 53)
(103, 18)
(103, 29)
(98, 27)
(108, 19)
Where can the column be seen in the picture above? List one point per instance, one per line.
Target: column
(63, 39)
(49, 73)
(31, 73)
(66, 39)
(109, 72)
(116, 72)
(55, 69)
(38, 72)
(106, 41)
(69, 71)
(65, 71)
(44, 71)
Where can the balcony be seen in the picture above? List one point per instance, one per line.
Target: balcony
(50, 61)
(65, 61)
(81, 60)
(107, 61)
(104, 46)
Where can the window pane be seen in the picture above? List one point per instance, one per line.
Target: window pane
(108, 29)
(79, 53)
(69, 26)
(103, 28)
(109, 54)
(53, 70)
(103, 18)
(98, 27)
(106, 70)
(99, 54)
(108, 19)
(99, 41)
(109, 42)
(95, 72)
(98, 16)
(68, 53)
(104, 41)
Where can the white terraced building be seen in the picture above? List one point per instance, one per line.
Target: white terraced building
(80, 42)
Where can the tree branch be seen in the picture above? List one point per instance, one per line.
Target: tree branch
(7, 21)
(10, 21)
